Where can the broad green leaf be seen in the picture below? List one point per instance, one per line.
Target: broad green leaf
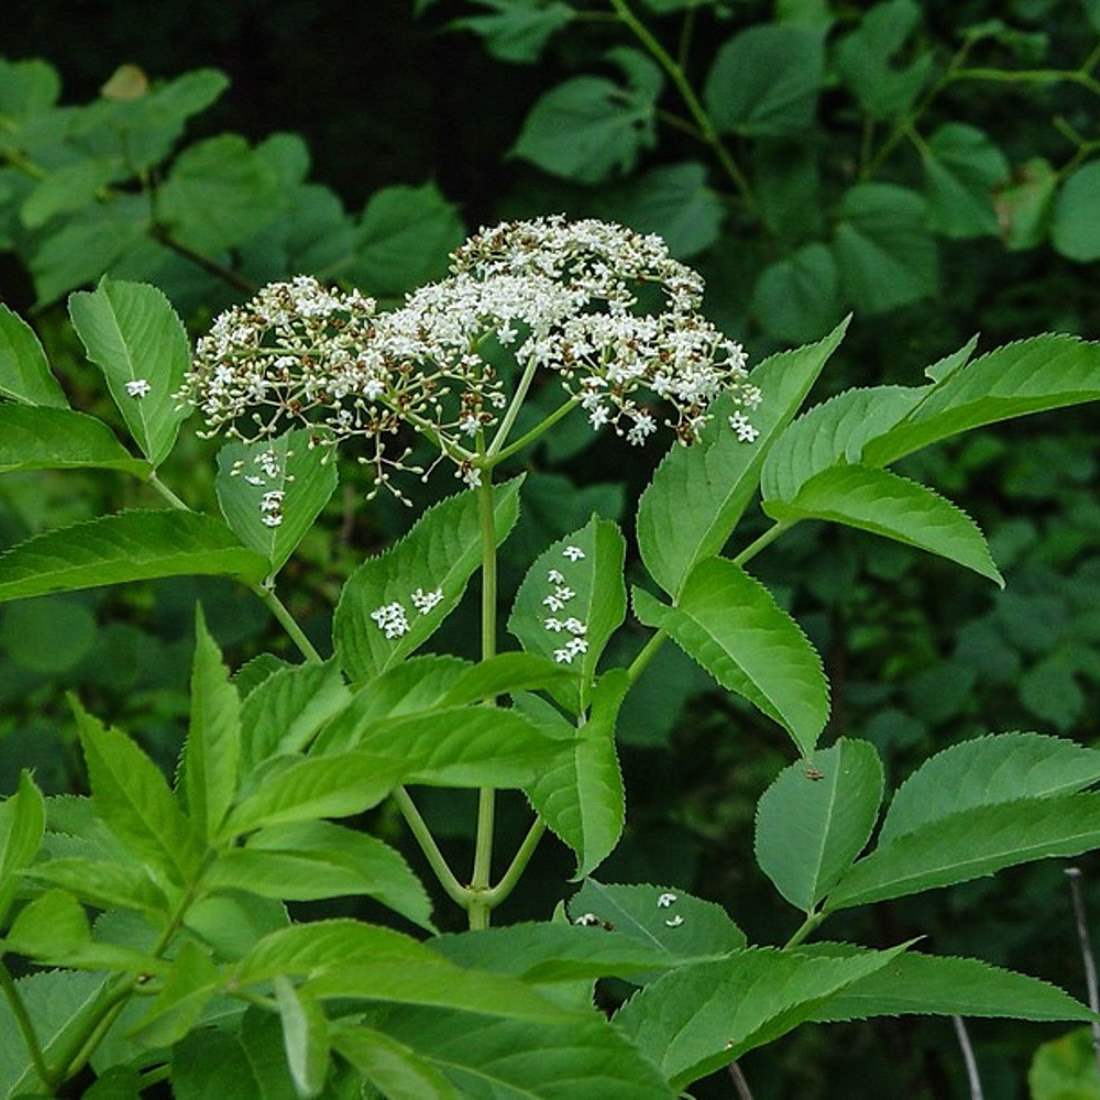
(672, 924)
(272, 512)
(506, 673)
(517, 30)
(129, 546)
(730, 624)
(51, 926)
(132, 333)
(22, 827)
(863, 59)
(1065, 1068)
(894, 507)
(66, 189)
(208, 771)
(700, 492)
(786, 178)
(284, 712)
(218, 193)
(393, 1068)
(811, 824)
(317, 859)
(58, 439)
(580, 795)
(101, 884)
(185, 993)
(1029, 376)
(1024, 206)
(133, 799)
(886, 255)
(254, 672)
(24, 373)
(916, 984)
(962, 169)
(1075, 230)
(305, 1038)
(28, 87)
(986, 771)
(116, 1083)
(701, 1017)
(836, 431)
(969, 844)
(765, 80)
(799, 298)
(945, 367)
(573, 596)
(439, 554)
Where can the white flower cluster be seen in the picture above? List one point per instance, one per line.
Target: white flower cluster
(603, 307)
(393, 620)
(269, 470)
(556, 601)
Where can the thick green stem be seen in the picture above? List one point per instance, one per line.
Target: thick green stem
(25, 1024)
(518, 865)
(530, 437)
(419, 829)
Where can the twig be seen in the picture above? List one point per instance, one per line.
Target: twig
(739, 1082)
(1074, 876)
(968, 1057)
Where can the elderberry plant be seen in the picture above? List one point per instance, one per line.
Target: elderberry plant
(149, 919)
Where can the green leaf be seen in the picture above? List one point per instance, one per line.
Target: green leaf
(970, 844)
(285, 711)
(440, 553)
(393, 1068)
(50, 927)
(799, 298)
(59, 439)
(648, 915)
(66, 189)
(187, 989)
(700, 492)
(117, 1083)
(101, 884)
(24, 373)
(506, 673)
(1024, 206)
(305, 1038)
(219, 192)
(962, 169)
(1029, 376)
(1074, 232)
(811, 824)
(987, 771)
(915, 984)
(132, 333)
(28, 87)
(730, 624)
(208, 771)
(272, 514)
(1065, 1068)
(580, 796)
(894, 507)
(130, 546)
(133, 799)
(254, 672)
(863, 60)
(404, 239)
(590, 128)
(517, 30)
(317, 859)
(595, 608)
(886, 255)
(765, 80)
(22, 827)
(699, 1018)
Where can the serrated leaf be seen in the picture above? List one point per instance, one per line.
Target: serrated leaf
(318, 859)
(962, 169)
(208, 771)
(66, 189)
(986, 771)
(49, 927)
(102, 884)
(886, 504)
(132, 333)
(1029, 376)
(798, 298)
(811, 825)
(730, 624)
(580, 795)
(305, 1037)
(699, 492)
(971, 844)
(397, 1070)
(440, 553)
(22, 827)
(649, 915)
(24, 373)
(701, 1017)
(254, 672)
(133, 799)
(59, 439)
(129, 546)
(506, 673)
(271, 512)
(916, 984)
(185, 993)
(596, 606)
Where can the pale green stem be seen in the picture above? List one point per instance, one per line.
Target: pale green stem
(518, 865)
(804, 929)
(513, 409)
(530, 437)
(25, 1024)
(419, 828)
(766, 539)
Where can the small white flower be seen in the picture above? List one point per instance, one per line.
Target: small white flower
(564, 656)
(138, 388)
(469, 424)
(587, 919)
(564, 593)
(391, 620)
(553, 603)
(575, 626)
(573, 553)
(554, 577)
(555, 625)
(746, 431)
(577, 646)
(272, 501)
(251, 479)
(272, 519)
(675, 922)
(425, 601)
(665, 900)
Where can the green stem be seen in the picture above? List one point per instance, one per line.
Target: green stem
(518, 865)
(691, 100)
(513, 409)
(1031, 76)
(766, 539)
(419, 829)
(155, 1075)
(530, 437)
(804, 929)
(209, 265)
(648, 652)
(25, 1024)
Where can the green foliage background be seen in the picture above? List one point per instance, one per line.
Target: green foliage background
(984, 216)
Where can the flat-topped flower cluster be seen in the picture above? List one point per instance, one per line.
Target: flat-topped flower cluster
(560, 296)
